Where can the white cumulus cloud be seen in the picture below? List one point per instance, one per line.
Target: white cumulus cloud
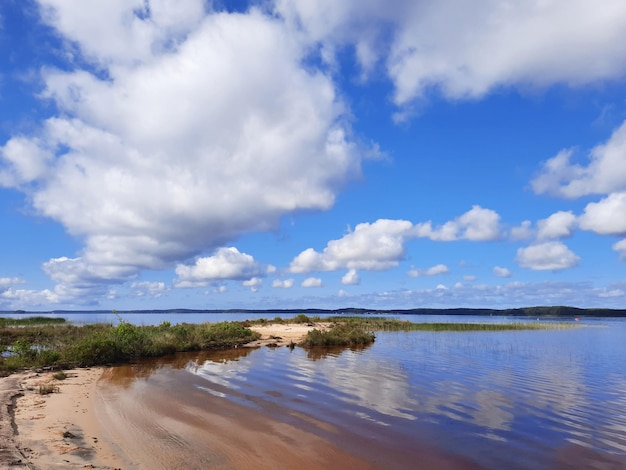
(620, 247)
(432, 271)
(524, 231)
(226, 263)
(606, 217)
(351, 278)
(375, 246)
(312, 282)
(283, 283)
(501, 272)
(552, 256)
(163, 147)
(559, 225)
(604, 174)
(467, 49)
(254, 284)
(477, 224)
(147, 288)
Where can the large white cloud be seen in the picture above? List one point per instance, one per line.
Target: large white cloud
(466, 49)
(375, 246)
(226, 263)
(552, 256)
(190, 130)
(605, 173)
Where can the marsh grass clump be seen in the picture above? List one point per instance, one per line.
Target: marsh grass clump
(61, 375)
(340, 335)
(48, 389)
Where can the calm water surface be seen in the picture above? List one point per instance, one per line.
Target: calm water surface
(517, 400)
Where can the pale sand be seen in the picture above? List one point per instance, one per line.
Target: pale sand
(284, 334)
(60, 429)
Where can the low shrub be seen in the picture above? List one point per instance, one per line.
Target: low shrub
(341, 335)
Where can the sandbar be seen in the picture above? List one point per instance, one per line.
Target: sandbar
(284, 334)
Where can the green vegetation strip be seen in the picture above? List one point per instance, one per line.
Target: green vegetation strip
(66, 346)
(391, 324)
(30, 321)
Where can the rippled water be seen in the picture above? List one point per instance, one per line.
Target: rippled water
(517, 400)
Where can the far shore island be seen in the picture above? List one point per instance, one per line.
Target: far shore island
(538, 311)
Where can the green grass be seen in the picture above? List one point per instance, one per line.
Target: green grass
(391, 324)
(340, 335)
(30, 321)
(70, 346)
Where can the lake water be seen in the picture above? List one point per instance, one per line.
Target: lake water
(546, 399)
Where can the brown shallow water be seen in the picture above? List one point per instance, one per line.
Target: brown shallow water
(160, 416)
(515, 400)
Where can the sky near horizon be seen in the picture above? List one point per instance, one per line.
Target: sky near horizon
(297, 153)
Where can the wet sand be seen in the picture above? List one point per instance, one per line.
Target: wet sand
(169, 419)
(59, 429)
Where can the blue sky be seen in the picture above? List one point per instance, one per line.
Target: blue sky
(289, 153)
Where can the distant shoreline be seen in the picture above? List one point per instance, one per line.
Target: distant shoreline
(543, 311)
